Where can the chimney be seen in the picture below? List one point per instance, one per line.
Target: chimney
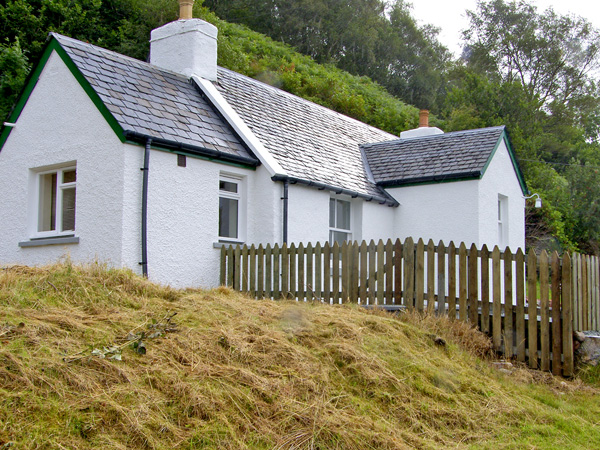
(424, 118)
(187, 46)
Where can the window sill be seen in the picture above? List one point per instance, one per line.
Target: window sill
(59, 240)
(223, 243)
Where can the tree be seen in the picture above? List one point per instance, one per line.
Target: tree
(14, 68)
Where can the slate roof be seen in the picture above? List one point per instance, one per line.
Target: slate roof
(151, 101)
(455, 155)
(309, 141)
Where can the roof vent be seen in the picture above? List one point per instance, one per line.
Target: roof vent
(187, 46)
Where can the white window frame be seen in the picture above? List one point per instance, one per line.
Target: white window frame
(502, 213)
(333, 229)
(60, 187)
(240, 196)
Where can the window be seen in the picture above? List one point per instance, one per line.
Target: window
(56, 202)
(230, 208)
(339, 221)
(502, 220)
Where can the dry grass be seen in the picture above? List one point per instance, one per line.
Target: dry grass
(239, 373)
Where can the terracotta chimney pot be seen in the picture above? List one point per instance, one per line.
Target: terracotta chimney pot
(424, 118)
(185, 9)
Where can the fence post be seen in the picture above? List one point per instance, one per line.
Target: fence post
(544, 312)
(567, 321)
(520, 314)
(497, 307)
(223, 267)
(485, 289)
(473, 281)
(508, 303)
(532, 308)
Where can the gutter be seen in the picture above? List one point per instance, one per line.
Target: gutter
(431, 179)
(385, 199)
(194, 150)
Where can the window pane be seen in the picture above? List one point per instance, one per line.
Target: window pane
(69, 176)
(228, 217)
(228, 186)
(47, 206)
(338, 236)
(343, 215)
(332, 213)
(68, 209)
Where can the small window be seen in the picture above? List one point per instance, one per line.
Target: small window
(502, 220)
(339, 221)
(181, 160)
(56, 202)
(230, 212)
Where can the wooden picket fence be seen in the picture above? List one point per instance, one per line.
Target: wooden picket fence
(586, 292)
(497, 291)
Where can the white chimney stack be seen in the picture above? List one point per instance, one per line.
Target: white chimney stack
(187, 46)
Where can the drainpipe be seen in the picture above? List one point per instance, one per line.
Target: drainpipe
(285, 210)
(145, 170)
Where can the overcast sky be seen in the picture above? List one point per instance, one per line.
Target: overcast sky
(449, 15)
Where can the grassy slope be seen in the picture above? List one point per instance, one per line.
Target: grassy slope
(239, 373)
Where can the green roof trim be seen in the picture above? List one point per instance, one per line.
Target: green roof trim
(506, 139)
(54, 46)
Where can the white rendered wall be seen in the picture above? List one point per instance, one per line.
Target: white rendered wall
(446, 211)
(500, 178)
(378, 221)
(59, 124)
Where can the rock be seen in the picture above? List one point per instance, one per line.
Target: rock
(588, 351)
(503, 366)
(578, 336)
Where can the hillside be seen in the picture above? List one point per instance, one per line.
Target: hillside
(227, 372)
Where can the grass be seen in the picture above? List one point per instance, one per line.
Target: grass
(227, 372)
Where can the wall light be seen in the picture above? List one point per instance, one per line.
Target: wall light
(538, 200)
(10, 125)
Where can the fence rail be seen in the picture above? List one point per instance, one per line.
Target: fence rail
(497, 291)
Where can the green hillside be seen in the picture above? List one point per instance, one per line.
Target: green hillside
(95, 358)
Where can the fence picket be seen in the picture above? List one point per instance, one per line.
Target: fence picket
(364, 268)
(473, 281)
(318, 272)
(293, 272)
(354, 273)
(462, 282)
(430, 277)
(441, 281)
(260, 272)
(223, 267)
(345, 274)
(301, 281)
(268, 271)
(556, 310)
(285, 271)
(372, 276)
(398, 272)
(452, 281)
(335, 289)
(497, 306)
(327, 273)
(409, 274)
(420, 276)
(252, 273)
(485, 290)
(567, 317)
(245, 268)
(508, 303)
(310, 292)
(520, 308)
(389, 272)
(380, 273)
(236, 267)
(276, 272)
(532, 308)
(544, 312)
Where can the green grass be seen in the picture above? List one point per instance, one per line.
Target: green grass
(228, 372)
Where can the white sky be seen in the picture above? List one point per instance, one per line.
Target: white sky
(449, 15)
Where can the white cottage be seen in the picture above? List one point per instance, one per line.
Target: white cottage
(154, 166)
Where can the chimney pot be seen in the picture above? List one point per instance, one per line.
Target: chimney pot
(185, 9)
(424, 118)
